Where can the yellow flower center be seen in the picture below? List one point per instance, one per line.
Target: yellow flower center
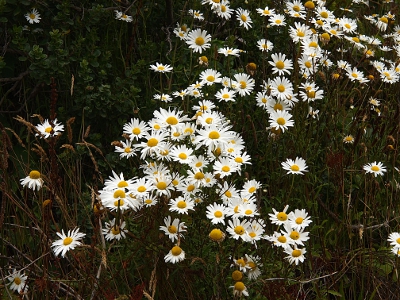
(278, 106)
(34, 174)
(299, 220)
(182, 156)
(127, 150)
(68, 240)
(209, 120)
(172, 120)
(152, 142)
(398, 241)
(311, 94)
(119, 194)
(278, 21)
(115, 230)
(296, 253)
(216, 235)
(161, 68)
(228, 194)
(122, 184)
(383, 19)
(225, 169)
(141, 189)
(199, 176)
(32, 16)
(239, 160)
(347, 26)
(161, 185)
(324, 14)
(266, 12)
(49, 129)
(237, 275)
(241, 262)
(218, 214)
(214, 135)
(239, 230)
(294, 235)
(325, 36)
(119, 203)
(313, 45)
(172, 229)
(148, 201)
(199, 41)
(282, 239)
(239, 286)
(309, 5)
(281, 88)
(282, 216)
(210, 78)
(300, 33)
(190, 188)
(225, 96)
(375, 168)
(252, 189)
(308, 64)
(281, 121)
(243, 84)
(296, 8)
(355, 39)
(181, 204)
(280, 64)
(243, 18)
(320, 22)
(175, 251)
(156, 127)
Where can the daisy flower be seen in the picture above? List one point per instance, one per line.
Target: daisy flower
(17, 282)
(170, 117)
(161, 68)
(173, 230)
(135, 129)
(122, 16)
(67, 241)
(282, 88)
(117, 182)
(299, 219)
(279, 218)
(49, 128)
(196, 14)
(210, 76)
(238, 229)
(245, 84)
(198, 40)
(376, 168)
(281, 239)
(126, 150)
(182, 154)
(225, 95)
(223, 10)
(175, 255)
(225, 167)
(255, 265)
(181, 205)
(33, 16)
(114, 232)
(229, 51)
(297, 166)
(213, 137)
(348, 139)
(243, 16)
(217, 235)
(280, 64)
(33, 180)
(348, 25)
(239, 289)
(277, 20)
(299, 32)
(298, 236)
(280, 120)
(216, 213)
(266, 12)
(265, 45)
(153, 143)
(295, 255)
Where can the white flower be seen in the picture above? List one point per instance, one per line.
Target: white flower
(198, 40)
(280, 120)
(376, 168)
(297, 166)
(114, 232)
(49, 128)
(216, 213)
(161, 68)
(174, 230)
(18, 282)
(295, 255)
(33, 180)
(176, 254)
(67, 241)
(33, 16)
(119, 15)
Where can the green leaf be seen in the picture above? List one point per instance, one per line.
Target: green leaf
(335, 293)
